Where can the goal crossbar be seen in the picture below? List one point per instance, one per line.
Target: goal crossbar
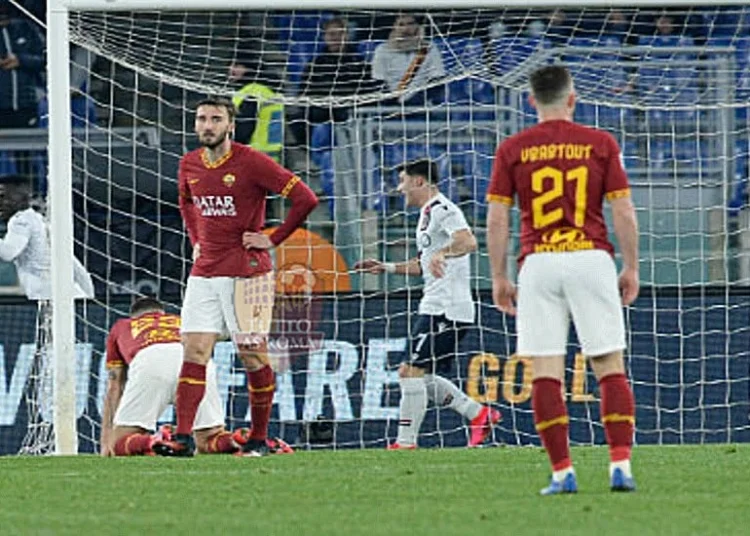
(152, 5)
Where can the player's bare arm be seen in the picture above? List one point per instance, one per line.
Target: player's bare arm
(116, 379)
(374, 266)
(463, 242)
(626, 230)
(498, 237)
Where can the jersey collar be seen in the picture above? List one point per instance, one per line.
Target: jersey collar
(213, 165)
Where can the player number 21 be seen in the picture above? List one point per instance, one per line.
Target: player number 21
(549, 183)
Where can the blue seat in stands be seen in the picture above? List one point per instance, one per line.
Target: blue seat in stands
(475, 162)
(367, 49)
(741, 44)
(321, 147)
(300, 26)
(601, 82)
(631, 156)
(7, 164)
(300, 54)
(475, 93)
(460, 54)
(508, 53)
(666, 81)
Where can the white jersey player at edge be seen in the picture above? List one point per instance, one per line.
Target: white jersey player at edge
(26, 243)
(446, 311)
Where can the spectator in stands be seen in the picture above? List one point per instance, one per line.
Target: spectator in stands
(407, 60)
(338, 71)
(260, 118)
(558, 29)
(260, 114)
(21, 67)
(664, 25)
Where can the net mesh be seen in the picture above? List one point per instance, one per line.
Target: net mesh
(671, 86)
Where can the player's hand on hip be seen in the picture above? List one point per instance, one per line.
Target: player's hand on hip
(370, 265)
(252, 240)
(196, 251)
(629, 285)
(504, 295)
(437, 264)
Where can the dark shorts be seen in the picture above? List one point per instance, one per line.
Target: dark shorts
(434, 342)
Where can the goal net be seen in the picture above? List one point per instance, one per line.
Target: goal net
(339, 98)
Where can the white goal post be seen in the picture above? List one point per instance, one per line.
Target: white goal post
(60, 150)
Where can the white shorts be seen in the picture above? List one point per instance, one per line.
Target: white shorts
(552, 287)
(229, 305)
(152, 385)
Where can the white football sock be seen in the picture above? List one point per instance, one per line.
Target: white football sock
(559, 476)
(411, 410)
(444, 393)
(624, 465)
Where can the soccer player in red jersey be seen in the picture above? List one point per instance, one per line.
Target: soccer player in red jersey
(144, 357)
(561, 172)
(222, 195)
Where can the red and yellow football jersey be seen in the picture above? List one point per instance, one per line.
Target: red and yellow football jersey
(131, 335)
(221, 200)
(561, 172)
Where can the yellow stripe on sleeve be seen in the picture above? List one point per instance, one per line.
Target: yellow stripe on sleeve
(505, 200)
(617, 194)
(289, 185)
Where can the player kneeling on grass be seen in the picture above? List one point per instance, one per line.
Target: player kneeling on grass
(561, 172)
(446, 311)
(144, 357)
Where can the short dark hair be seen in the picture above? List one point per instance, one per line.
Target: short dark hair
(416, 17)
(335, 21)
(424, 167)
(218, 101)
(144, 305)
(549, 83)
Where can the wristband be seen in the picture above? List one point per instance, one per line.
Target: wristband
(389, 267)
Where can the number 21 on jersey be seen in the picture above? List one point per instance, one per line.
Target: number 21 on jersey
(549, 184)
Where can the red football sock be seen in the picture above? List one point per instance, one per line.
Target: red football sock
(261, 386)
(551, 420)
(190, 391)
(221, 442)
(618, 415)
(133, 445)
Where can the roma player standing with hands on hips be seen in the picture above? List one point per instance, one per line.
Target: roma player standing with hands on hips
(222, 194)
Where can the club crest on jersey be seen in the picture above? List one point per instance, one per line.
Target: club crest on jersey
(228, 180)
(563, 239)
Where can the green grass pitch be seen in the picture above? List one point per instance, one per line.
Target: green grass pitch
(682, 490)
